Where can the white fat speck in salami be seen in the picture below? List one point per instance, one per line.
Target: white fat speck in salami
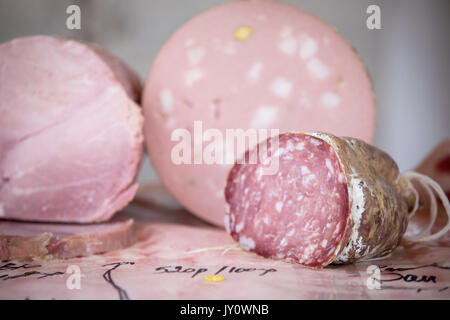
(192, 76)
(317, 68)
(229, 49)
(308, 47)
(246, 243)
(279, 206)
(267, 73)
(255, 71)
(195, 55)
(330, 100)
(286, 32)
(264, 117)
(189, 43)
(281, 87)
(288, 46)
(166, 101)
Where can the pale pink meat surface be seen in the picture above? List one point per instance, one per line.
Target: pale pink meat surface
(129, 80)
(178, 260)
(70, 135)
(249, 64)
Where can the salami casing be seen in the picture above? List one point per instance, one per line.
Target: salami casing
(332, 200)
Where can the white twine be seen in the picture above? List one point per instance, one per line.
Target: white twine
(430, 185)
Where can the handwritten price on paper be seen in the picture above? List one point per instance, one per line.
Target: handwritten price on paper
(196, 271)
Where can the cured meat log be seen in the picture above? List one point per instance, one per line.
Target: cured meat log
(38, 241)
(332, 200)
(70, 131)
(249, 64)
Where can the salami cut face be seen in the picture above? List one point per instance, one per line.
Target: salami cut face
(249, 65)
(70, 131)
(298, 214)
(332, 200)
(37, 241)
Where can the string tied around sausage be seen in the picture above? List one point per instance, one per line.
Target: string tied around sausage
(432, 188)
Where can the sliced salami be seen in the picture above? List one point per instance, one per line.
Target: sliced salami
(332, 200)
(37, 241)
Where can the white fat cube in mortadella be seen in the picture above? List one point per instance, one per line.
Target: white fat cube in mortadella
(247, 65)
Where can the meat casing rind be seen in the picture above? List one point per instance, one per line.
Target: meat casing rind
(377, 200)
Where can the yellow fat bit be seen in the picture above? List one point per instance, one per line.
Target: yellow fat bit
(214, 278)
(243, 33)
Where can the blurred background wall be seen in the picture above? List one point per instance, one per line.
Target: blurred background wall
(408, 59)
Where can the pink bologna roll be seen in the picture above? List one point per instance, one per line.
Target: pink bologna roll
(70, 131)
(332, 200)
(248, 64)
